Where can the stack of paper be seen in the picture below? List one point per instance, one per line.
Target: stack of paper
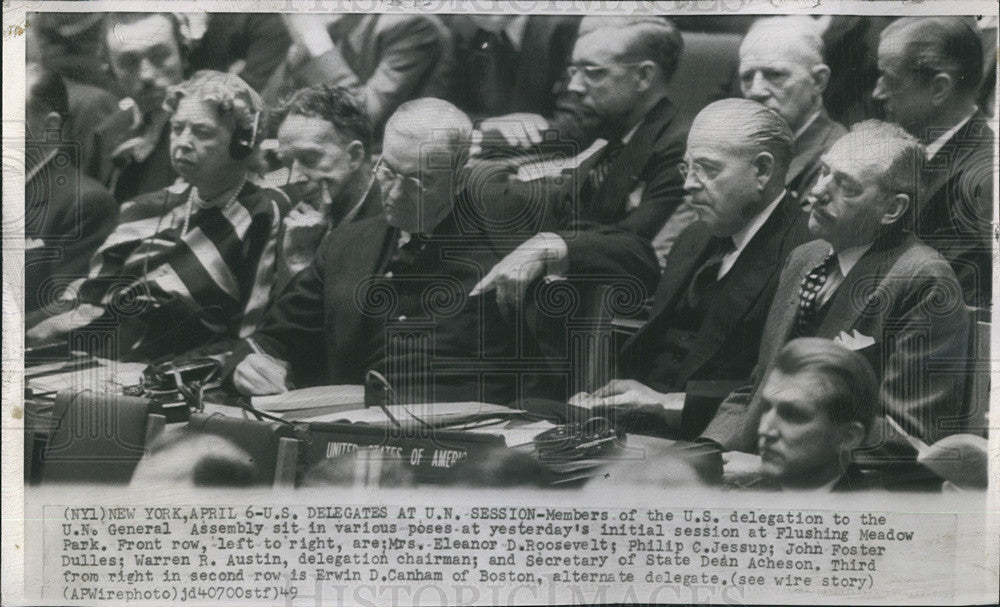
(312, 402)
(553, 167)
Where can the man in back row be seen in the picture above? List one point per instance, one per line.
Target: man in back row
(781, 66)
(930, 69)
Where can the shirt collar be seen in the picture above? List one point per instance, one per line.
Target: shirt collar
(935, 146)
(515, 31)
(806, 125)
(742, 238)
(848, 258)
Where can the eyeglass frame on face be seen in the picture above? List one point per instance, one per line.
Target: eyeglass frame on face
(412, 182)
(700, 172)
(588, 72)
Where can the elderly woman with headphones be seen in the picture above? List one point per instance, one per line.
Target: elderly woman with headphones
(191, 263)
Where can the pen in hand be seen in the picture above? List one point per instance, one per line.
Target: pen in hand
(287, 384)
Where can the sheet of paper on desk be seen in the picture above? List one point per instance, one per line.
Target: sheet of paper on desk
(515, 433)
(331, 398)
(107, 376)
(553, 167)
(432, 413)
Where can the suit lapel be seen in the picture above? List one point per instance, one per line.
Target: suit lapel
(623, 175)
(681, 267)
(747, 279)
(949, 160)
(788, 309)
(358, 259)
(810, 145)
(858, 288)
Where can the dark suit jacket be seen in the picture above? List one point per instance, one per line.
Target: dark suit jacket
(803, 171)
(324, 322)
(89, 106)
(130, 178)
(647, 163)
(540, 65)
(71, 215)
(903, 295)
(260, 40)
(387, 58)
(726, 344)
(956, 213)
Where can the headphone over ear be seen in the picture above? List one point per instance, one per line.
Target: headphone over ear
(243, 140)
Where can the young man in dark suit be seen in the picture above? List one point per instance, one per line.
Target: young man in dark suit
(711, 302)
(390, 293)
(131, 148)
(818, 403)
(872, 286)
(930, 69)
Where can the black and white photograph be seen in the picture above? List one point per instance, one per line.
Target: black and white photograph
(498, 303)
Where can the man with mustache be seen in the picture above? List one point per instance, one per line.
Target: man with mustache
(192, 263)
(872, 286)
(781, 66)
(713, 297)
(146, 55)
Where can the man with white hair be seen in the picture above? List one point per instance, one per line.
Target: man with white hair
(390, 293)
(781, 66)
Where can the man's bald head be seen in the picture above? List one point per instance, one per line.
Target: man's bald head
(781, 66)
(425, 145)
(735, 163)
(741, 124)
(430, 121)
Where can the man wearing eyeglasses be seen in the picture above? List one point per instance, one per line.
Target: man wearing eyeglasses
(712, 300)
(620, 74)
(390, 293)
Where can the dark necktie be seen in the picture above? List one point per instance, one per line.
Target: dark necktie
(708, 272)
(600, 172)
(406, 255)
(812, 284)
(492, 72)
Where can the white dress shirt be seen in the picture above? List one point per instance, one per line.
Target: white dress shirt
(935, 146)
(846, 260)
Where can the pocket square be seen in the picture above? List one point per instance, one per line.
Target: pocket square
(854, 340)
